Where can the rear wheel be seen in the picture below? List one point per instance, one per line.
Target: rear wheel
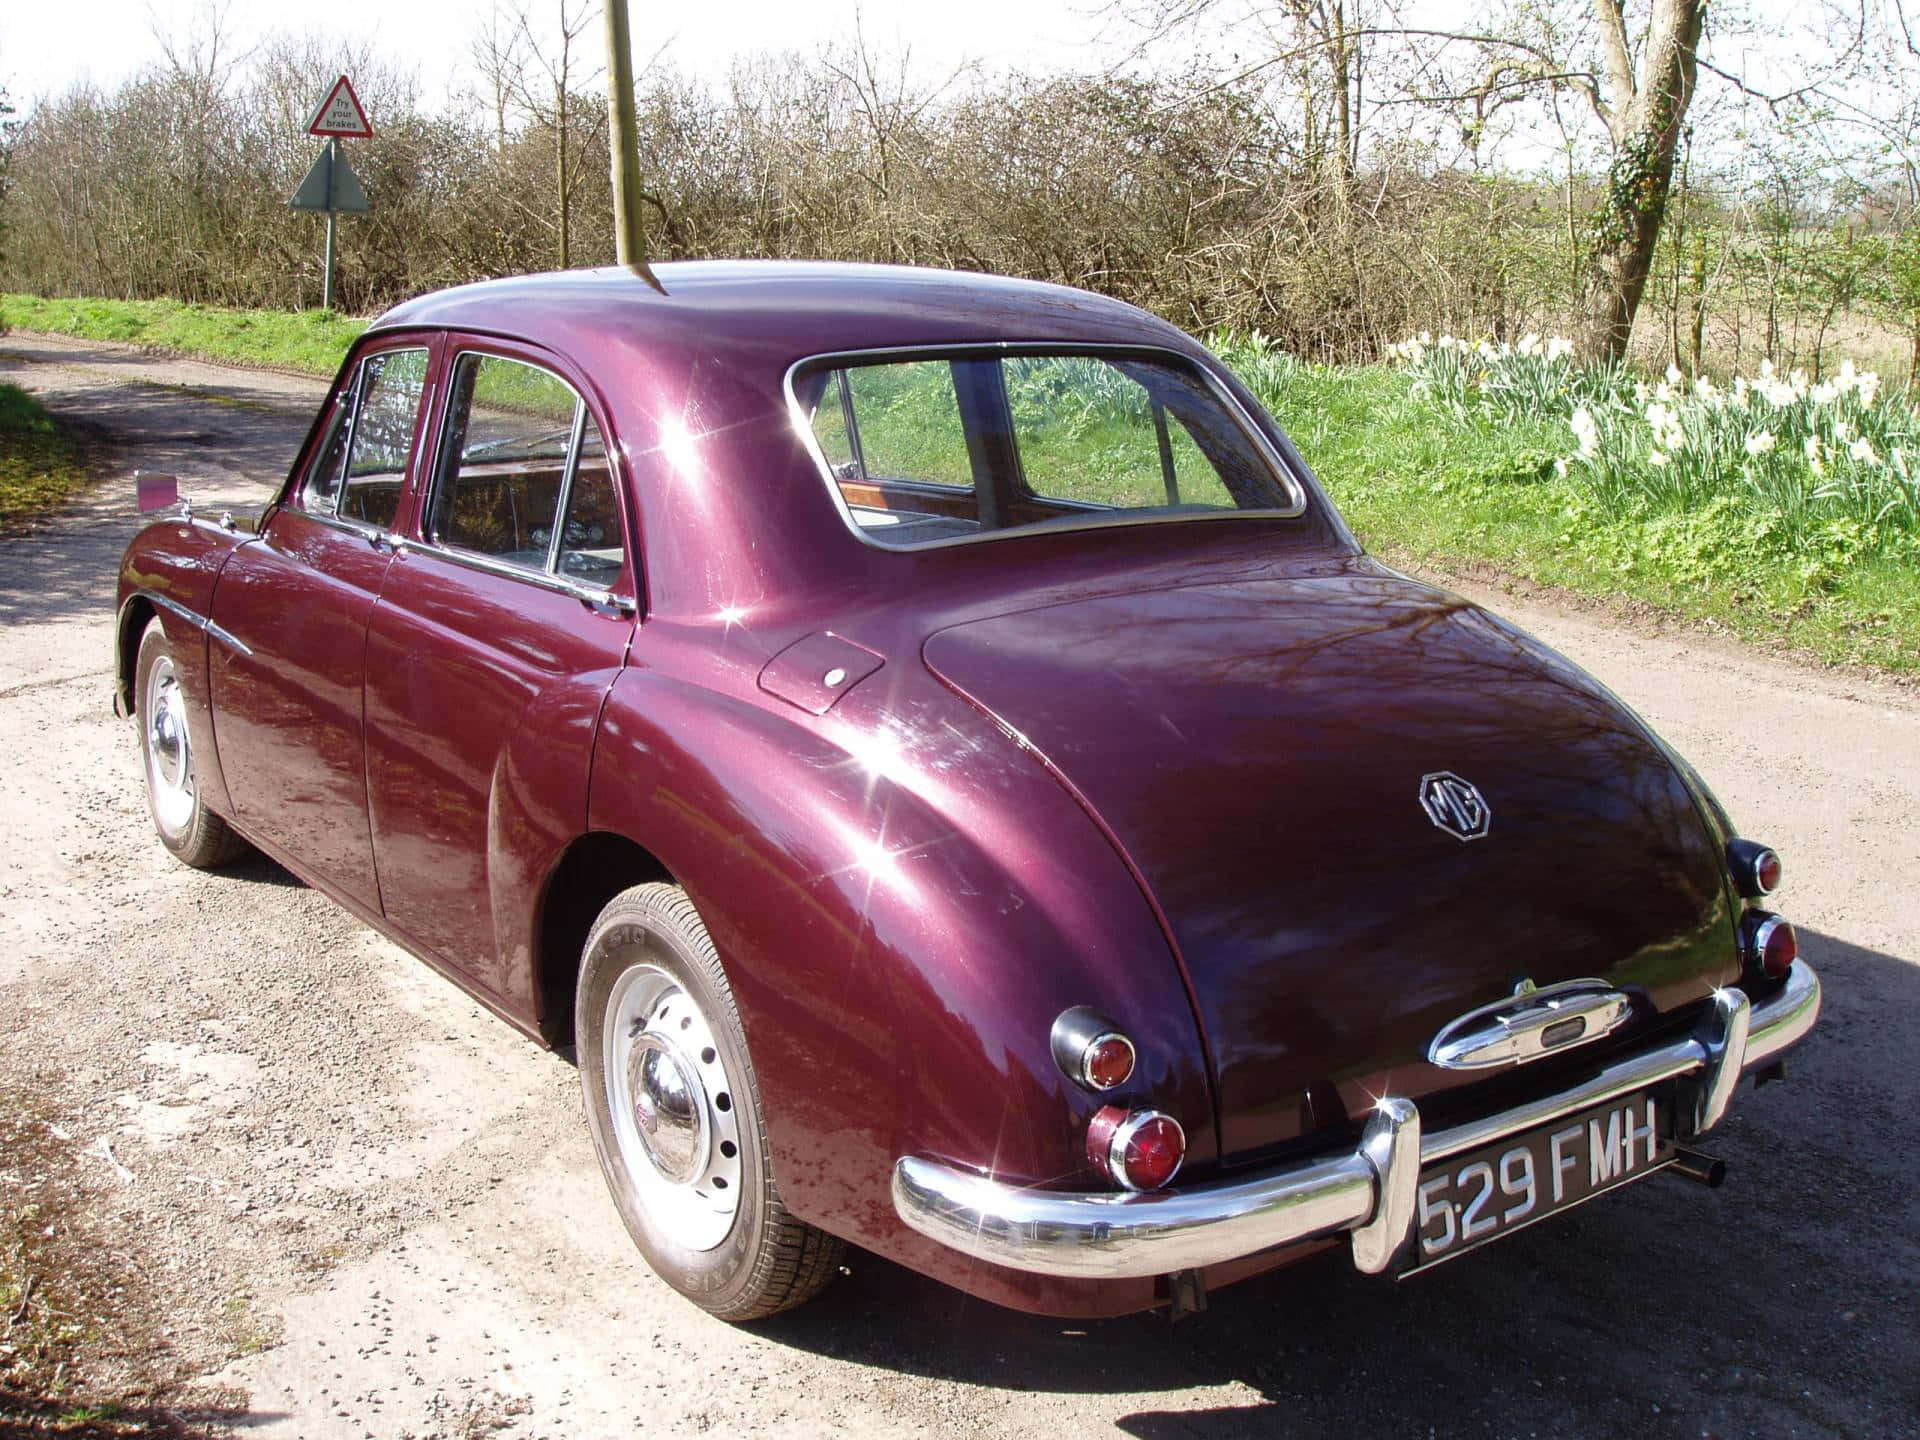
(194, 833)
(674, 1109)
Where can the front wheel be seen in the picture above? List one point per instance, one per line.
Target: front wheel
(674, 1109)
(194, 833)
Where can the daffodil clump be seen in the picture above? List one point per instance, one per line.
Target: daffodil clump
(1534, 377)
(1820, 472)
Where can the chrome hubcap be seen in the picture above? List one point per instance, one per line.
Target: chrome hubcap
(667, 1110)
(672, 1104)
(169, 756)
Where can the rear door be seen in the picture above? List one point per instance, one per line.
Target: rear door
(498, 631)
(287, 697)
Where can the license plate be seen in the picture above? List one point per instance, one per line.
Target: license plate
(1477, 1196)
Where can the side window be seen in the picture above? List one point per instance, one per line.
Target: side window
(321, 491)
(383, 431)
(523, 476)
(1093, 435)
(909, 421)
(590, 535)
(363, 462)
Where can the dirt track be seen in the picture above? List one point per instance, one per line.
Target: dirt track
(372, 1209)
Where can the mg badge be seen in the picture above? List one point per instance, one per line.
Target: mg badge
(1455, 805)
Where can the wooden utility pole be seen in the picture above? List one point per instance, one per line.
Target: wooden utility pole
(624, 145)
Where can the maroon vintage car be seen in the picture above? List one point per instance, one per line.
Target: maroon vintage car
(933, 751)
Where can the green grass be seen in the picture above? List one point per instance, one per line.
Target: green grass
(312, 341)
(39, 464)
(1422, 483)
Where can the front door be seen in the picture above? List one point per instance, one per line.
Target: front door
(288, 696)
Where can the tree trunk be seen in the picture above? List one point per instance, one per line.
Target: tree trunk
(1647, 118)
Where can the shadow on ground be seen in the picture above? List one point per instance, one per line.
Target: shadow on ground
(1776, 1305)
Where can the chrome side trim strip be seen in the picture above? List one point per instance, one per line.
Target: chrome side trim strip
(1368, 1191)
(192, 617)
(200, 622)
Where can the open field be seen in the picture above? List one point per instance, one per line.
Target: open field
(1421, 478)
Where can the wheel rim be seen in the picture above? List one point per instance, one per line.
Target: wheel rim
(169, 753)
(675, 1120)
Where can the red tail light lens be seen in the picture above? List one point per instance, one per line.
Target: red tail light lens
(1756, 868)
(1774, 947)
(1154, 1147)
(1091, 1050)
(1108, 1062)
(1141, 1150)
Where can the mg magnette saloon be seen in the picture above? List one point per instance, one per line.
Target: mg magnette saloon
(929, 746)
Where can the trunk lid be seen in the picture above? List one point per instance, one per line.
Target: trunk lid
(1258, 750)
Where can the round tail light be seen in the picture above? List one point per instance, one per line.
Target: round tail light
(1137, 1150)
(1090, 1050)
(1772, 946)
(1756, 868)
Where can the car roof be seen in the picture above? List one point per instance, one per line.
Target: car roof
(734, 510)
(779, 309)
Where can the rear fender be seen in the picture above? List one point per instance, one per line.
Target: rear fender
(900, 924)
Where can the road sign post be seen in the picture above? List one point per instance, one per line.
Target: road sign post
(331, 185)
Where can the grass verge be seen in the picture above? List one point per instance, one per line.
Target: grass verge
(40, 465)
(1420, 483)
(311, 341)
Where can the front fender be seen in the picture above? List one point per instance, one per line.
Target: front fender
(903, 902)
(168, 574)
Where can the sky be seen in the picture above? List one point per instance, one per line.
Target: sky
(47, 47)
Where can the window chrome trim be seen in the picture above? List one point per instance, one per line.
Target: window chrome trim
(550, 577)
(506, 570)
(1277, 464)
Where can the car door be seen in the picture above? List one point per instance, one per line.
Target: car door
(288, 691)
(498, 631)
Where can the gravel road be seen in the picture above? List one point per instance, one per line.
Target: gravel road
(371, 1210)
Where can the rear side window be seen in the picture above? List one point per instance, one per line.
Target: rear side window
(523, 477)
(960, 444)
(363, 462)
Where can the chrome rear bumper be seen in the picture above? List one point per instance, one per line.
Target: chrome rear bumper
(1367, 1192)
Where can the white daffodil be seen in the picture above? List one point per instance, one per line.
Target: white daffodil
(1559, 347)
(1586, 431)
(1863, 452)
(1656, 459)
(1760, 442)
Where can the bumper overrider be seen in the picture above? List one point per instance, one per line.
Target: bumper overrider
(1368, 1192)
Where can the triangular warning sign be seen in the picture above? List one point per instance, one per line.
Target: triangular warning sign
(340, 114)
